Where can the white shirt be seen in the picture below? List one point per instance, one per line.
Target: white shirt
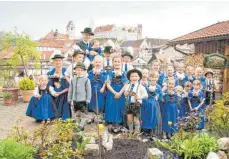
(180, 75)
(140, 92)
(105, 62)
(69, 71)
(129, 67)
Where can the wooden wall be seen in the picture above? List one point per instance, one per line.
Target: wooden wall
(226, 73)
(211, 46)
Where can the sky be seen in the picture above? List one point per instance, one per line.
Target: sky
(166, 20)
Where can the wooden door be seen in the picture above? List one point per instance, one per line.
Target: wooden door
(226, 73)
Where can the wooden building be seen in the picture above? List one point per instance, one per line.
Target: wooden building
(211, 39)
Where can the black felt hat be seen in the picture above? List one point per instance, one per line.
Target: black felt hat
(87, 30)
(78, 51)
(57, 56)
(80, 65)
(209, 71)
(133, 71)
(127, 54)
(108, 50)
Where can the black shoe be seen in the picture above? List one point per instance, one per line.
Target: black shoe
(116, 130)
(90, 121)
(38, 121)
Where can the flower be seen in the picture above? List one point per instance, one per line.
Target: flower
(170, 123)
(101, 126)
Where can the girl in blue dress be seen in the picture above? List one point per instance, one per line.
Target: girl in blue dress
(156, 68)
(150, 109)
(199, 76)
(40, 105)
(145, 75)
(196, 101)
(169, 110)
(190, 73)
(97, 77)
(115, 99)
(179, 93)
(180, 75)
(169, 76)
(185, 105)
(59, 88)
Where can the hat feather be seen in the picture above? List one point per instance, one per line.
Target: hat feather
(130, 50)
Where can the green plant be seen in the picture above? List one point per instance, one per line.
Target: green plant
(7, 95)
(10, 149)
(219, 117)
(23, 48)
(188, 145)
(27, 84)
(207, 143)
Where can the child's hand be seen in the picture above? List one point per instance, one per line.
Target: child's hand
(38, 96)
(117, 95)
(56, 94)
(93, 53)
(126, 93)
(137, 97)
(102, 90)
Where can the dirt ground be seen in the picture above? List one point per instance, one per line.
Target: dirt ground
(9, 115)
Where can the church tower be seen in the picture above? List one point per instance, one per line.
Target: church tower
(70, 30)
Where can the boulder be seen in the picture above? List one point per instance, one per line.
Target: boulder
(153, 153)
(223, 143)
(92, 149)
(212, 155)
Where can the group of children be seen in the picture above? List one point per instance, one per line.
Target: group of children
(120, 95)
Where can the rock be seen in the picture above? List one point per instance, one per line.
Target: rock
(212, 155)
(153, 153)
(107, 140)
(145, 140)
(223, 143)
(92, 149)
(92, 140)
(222, 155)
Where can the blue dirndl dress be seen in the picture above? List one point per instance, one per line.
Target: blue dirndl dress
(169, 112)
(41, 109)
(150, 109)
(195, 101)
(114, 108)
(185, 104)
(97, 81)
(63, 108)
(175, 78)
(161, 78)
(181, 82)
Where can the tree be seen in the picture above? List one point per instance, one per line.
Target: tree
(24, 49)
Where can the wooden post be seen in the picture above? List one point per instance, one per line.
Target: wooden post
(226, 73)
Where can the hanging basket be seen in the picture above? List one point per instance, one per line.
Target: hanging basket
(215, 61)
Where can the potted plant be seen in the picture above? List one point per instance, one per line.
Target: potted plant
(10, 86)
(7, 98)
(27, 87)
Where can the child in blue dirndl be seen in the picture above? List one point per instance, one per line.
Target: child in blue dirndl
(196, 101)
(97, 77)
(59, 90)
(150, 109)
(115, 99)
(40, 105)
(169, 110)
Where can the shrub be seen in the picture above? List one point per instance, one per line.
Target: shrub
(27, 84)
(7, 95)
(219, 117)
(10, 149)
